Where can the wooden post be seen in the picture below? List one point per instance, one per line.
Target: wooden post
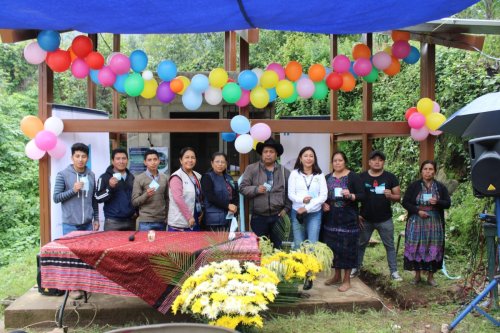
(427, 89)
(334, 96)
(115, 111)
(366, 143)
(91, 86)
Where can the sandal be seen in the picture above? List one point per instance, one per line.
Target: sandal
(432, 283)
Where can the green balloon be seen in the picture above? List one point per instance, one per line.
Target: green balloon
(294, 96)
(231, 92)
(320, 90)
(372, 77)
(134, 84)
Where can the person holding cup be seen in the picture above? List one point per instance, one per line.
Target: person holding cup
(340, 227)
(425, 200)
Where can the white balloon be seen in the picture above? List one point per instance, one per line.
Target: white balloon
(147, 75)
(213, 95)
(243, 143)
(258, 72)
(32, 151)
(54, 125)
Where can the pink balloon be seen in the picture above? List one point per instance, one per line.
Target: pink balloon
(362, 67)
(341, 64)
(305, 87)
(419, 134)
(416, 120)
(59, 150)
(244, 99)
(278, 69)
(106, 76)
(435, 107)
(32, 151)
(34, 54)
(79, 68)
(119, 64)
(45, 140)
(260, 132)
(381, 60)
(436, 132)
(401, 49)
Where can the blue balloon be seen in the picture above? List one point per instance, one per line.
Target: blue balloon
(228, 136)
(240, 124)
(94, 76)
(119, 84)
(248, 80)
(138, 60)
(49, 40)
(351, 70)
(167, 70)
(199, 83)
(413, 57)
(191, 99)
(272, 94)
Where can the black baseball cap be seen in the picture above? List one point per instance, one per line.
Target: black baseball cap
(376, 153)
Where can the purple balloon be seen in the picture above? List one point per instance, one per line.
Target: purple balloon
(381, 60)
(164, 94)
(401, 49)
(305, 87)
(362, 67)
(341, 63)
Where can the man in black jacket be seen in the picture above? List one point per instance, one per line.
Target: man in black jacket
(114, 189)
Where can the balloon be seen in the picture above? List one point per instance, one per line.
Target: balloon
(317, 72)
(240, 124)
(305, 87)
(218, 77)
(259, 97)
(106, 76)
(348, 82)
(260, 132)
(34, 54)
(320, 90)
(167, 70)
(139, 61)
(231, 92)
(59, 150)
(284, 89)
(164, 94)
(243, 144)
(409, 112)
(244, 99)
(272, 94)
(413, 57)
(400, 35)
(176, 85)
(388, 50)
(419, 134)
(54, 124)
(191, 99)
(434, 120)
(334, 81)
(134, 84)
(79, 68)
(95, 60)
(248, 80)
(362, 67)
(82, 46)
(394, 67)
(269, 79)
(119, 84)
(120, 64)
(258, 72)
(361, 51)
(293, 70)
(401, 49)
(278, 69)
(255, 143)
(228, 136)
(294, 96)
(416, 120)
(425, 106)
(150, 87)
(32, 151)
(436, 133)
(31, 125)
(435, 107)
(94, 76)
(372, 77)
(147, 75)
(72, 54)
(381, 60)
(58, 60)
(213, 96)
(45, 140)
(49, 40)
(351, 70)
(185, 83)
(341, 63)
(199, 83)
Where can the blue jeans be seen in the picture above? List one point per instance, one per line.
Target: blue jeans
(67, 228)
(386, 231)
(309, 229)
(157, 226)
(264, 226)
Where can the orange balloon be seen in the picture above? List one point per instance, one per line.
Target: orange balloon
(394, 67)
(176, 85)
(293, 71)
(361, 51)
(31, 125)
(72, 54)
(400, 35)
(317, 72)
(348, 82)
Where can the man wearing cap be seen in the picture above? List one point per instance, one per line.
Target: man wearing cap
(382, 189)
(264, 183)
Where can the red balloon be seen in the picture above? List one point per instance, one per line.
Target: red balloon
(334, 81)
(95, 60)
(82, 46)
(58, 60)
(410, 111)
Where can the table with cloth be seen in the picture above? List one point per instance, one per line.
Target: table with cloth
(108, 262)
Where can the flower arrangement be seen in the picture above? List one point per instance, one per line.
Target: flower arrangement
(228, 294)
(292, 266)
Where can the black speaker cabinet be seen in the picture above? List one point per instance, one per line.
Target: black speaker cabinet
(485, 165)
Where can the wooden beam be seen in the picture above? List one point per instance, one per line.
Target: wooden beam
(366, 143)
(427, 89)
(115, 109)
(334, 95)
(14, 36)
(230, 51)
(454, 40)
(359, 137)
(251, 36)
(91, 86)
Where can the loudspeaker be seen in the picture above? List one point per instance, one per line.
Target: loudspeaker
(485, 166)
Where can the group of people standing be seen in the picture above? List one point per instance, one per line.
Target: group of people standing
(321, 207)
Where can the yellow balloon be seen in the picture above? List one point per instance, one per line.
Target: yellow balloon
(150, 87)
(388, 50)
(254, 146)
(425, 106)
(259, 97)
(218, 77)
(31, 125)
(269, 79)
(186, 82)
(434, 120)
(284, 89)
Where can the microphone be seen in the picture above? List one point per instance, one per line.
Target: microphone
(131, 238)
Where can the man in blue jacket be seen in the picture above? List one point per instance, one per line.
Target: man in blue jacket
(114, 189)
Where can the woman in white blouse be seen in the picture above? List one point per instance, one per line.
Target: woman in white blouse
(307, 190)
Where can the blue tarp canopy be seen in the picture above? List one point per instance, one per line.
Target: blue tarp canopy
(196, 16)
